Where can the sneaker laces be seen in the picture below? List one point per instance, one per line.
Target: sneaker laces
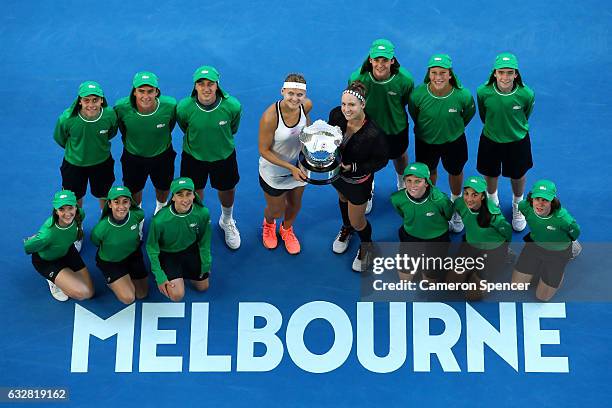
(269, 230)
(288, 235)
(344, 233)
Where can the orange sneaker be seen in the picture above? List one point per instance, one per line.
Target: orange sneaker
(291, 242)
(269, 234)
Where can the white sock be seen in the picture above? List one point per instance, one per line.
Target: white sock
(140, 205)
(493, 196)
(158, 206)
(454, 197)
(226, 214)
(517, 199)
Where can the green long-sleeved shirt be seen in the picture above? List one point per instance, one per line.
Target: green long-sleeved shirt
(173, 232)
(146, 135)
(86, 142)
(427, 219)
(498, 231)
(505, 116)
(440, 119)
(117, 242)
(209, 134)
(52, 242)
(554, 232)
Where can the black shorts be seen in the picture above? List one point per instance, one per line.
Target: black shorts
(223, 173)
(356, 194)
(427, 248)
(274, 192)
(136, 169)
(184, 264)
(100, 176)
(132, 265)
(550, 265)
(494, 260)
(50, 269)
(454, 154)
(397, 144)
(508, 159)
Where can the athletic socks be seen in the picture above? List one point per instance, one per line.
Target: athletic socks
(453, 197)
(494, 197)
(365, 235)
(227, 214)
(517, 199)
(344, 212)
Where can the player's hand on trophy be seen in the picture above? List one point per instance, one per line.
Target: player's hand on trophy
(298, 174)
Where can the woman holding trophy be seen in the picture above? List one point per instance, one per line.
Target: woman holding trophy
(281, 181)
(364, 151)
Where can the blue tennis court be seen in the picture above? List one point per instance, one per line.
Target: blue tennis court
(282, 330)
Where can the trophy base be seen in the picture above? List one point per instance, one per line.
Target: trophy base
(319, 175)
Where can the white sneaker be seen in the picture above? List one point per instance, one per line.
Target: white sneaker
(400, 182)
(576, 249)
(232, 236)
(456, 223)
(56, 292)
(518, 219)
(78, 244)
(158, 207)
(342, 240)
(357, 262)
(369, 205)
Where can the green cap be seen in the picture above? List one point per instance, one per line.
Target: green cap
(382, 48)
(440, 60)
(477, 183)
(206, 72)
(506, 60)
(145, 78)
(118, 191)
(545, 189)
(90, 88)
(181, 183)
(64, 197)
(417, 169)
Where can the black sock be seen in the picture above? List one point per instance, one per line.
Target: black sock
(344, 212)
(365, 235)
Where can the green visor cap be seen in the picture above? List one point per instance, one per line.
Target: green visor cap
(118, 191)
(545, 189)
(90, 88)
(145, 78)
(417, 169)
(506, 60)
(477, 183)
(64, 197)
(440, 60)
(182, 183)
(206, 72)
(382, 48)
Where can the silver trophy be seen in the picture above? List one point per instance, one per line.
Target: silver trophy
(320, 158)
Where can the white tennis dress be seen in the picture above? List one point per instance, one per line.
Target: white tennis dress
(287, 147)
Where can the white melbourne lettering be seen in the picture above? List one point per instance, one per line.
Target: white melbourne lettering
(145, 77)
(550, 228)
(193, 225)
(506, 59)
(391, 93)
(223, 122)
(63, 196)
(516, 107)
(430, 214)
(542, 187)
(452, 110)
(91, 86)
(381, 47)
(473, 333)
(133, 227)
(103, 131)
(160, 125)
